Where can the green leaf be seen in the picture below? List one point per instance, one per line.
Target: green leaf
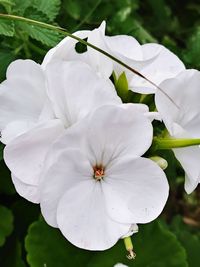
(48, 7)
(35, 14)
(190, 241)
(6, 224)
(192, 54)
(6, 57)
(8, 2)
(45, 36)
(46, 245)
(6, 27)
(7, 5)
(20, 7)
(155, 246)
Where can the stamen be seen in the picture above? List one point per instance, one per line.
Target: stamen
(98, 173)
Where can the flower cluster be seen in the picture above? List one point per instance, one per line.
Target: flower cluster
(76, 148)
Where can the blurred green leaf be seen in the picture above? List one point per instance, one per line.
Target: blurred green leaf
(7, 4)
(6, 223)
(46, 246)
(6, 57)
(190, 241)
(192, 54)
(6, 27)
(155, 246)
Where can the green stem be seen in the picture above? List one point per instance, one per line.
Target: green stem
(129, 247)
(65, 32)
(166, 143)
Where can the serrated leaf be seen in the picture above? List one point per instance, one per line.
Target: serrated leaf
(45, 36)
(35, 14)
(7, 5)
(48, 7)
(20, 6)
(155, 246)
(6, 223)
(6, 27)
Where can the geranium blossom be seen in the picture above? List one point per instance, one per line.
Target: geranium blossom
(74, 90)
(95, 183)
(182, 120)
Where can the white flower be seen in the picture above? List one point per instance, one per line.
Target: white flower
(154, 61)
(23, 99)
(120, 265)
(96, 184)
(74, 90)
(182, 119)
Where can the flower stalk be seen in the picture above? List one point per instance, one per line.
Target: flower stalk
(167, 143)
(129, 247)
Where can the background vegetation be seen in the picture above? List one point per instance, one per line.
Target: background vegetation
(172, 240)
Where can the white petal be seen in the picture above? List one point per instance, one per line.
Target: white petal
(183, 105)
(189, 158)
(99, 62)
(65, 50)
(166, 65)
(27, 191)
(69, 168)
(118, 130)
(125, 45)
(22, 95)
(120, 265)
(136, 190)
(14, 129)
(75, 90)
(83, 220)
(25, 154)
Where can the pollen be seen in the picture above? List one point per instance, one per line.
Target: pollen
(98, 173)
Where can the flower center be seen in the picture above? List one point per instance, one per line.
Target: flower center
(98, 173)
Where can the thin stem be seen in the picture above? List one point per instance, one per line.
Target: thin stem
(166, 143)
(129, 247)
(64, 31)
